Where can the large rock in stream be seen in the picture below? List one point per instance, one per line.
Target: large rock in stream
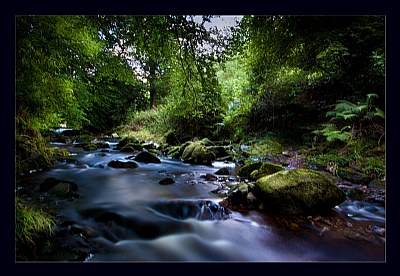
(123, 164)
(299, 191)
(197, 153)
(147, 157)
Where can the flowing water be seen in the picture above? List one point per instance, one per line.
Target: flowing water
(128, 216)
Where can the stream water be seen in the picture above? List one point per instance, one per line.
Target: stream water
(129, 216)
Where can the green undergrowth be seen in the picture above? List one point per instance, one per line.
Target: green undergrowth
(33, 227)
(264, 145)
(363, 156)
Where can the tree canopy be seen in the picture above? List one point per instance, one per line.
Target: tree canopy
(93, 71)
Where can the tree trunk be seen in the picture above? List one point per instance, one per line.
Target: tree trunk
(152, 79)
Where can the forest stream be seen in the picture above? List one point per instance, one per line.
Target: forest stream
(124, 214)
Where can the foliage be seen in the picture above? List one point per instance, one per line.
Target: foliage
(321, 159)
(332, 133)
(31, 223)
(309, 61)
(236, 101)
(53, 52)
(359, 114)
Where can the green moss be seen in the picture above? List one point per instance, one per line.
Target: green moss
(127, 140)
(298, 191)
(197, 153)
(247, 169)
(356, 194)
(266, 169)
(265, 146)
(33, 154)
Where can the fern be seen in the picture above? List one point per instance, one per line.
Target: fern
(332, 133)
(347, 110)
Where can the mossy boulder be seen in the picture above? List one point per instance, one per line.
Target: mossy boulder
(299, 191)
(266, 169)
(131, 147)
(247, 169)
(33, 154)
(87, 146)
(197, 153)
(125, 141)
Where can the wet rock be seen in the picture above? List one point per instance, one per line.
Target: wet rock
(166, 181)
(222, 171)
(122, 164)
(104, 146)
(209, 177)
(201, 209)
(240, 197)
(298, 191)
(150, 146)
(59, 188)
(147, 157)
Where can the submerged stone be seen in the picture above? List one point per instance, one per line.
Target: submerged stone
(299, 191)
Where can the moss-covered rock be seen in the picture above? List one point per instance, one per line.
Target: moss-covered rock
(125, 141)
(299, 191)
(247, 169)
(266, 169)
(197, 153)
(131, 147)
(32, 154)
(87, 146)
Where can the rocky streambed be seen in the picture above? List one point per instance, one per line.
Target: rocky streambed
(113, 205)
